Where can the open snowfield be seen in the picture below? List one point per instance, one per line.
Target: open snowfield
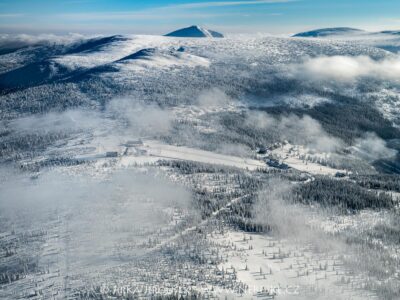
(270, 266)
(162, 151)
(290, 155)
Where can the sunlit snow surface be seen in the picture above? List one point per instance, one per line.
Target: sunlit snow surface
(143, 166)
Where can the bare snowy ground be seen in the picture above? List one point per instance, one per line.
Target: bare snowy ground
(287, 269)
(295, 157)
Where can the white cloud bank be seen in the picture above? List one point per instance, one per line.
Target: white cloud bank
(298, 130)
(141, 119)
(123, 115)
(24, 40)
(371, 147)
(345, 68)
(101, 214)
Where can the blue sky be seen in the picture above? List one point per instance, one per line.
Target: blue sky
(161, 16)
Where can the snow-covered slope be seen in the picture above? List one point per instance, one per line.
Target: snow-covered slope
(391, 32)
(153, 57)
(326, 32)
(195, 32)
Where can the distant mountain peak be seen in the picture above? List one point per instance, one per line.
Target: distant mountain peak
(196, 32)
(324, 32)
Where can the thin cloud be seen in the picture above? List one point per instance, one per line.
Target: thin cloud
(229, 3)
(11, 15)
(135, 16)
(180, 11)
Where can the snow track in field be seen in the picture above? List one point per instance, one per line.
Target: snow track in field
(158, 151)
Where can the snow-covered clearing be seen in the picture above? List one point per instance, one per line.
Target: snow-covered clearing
(289, 270)
(164, 60)
(290, 155)
(154, 151)
(157, 149)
